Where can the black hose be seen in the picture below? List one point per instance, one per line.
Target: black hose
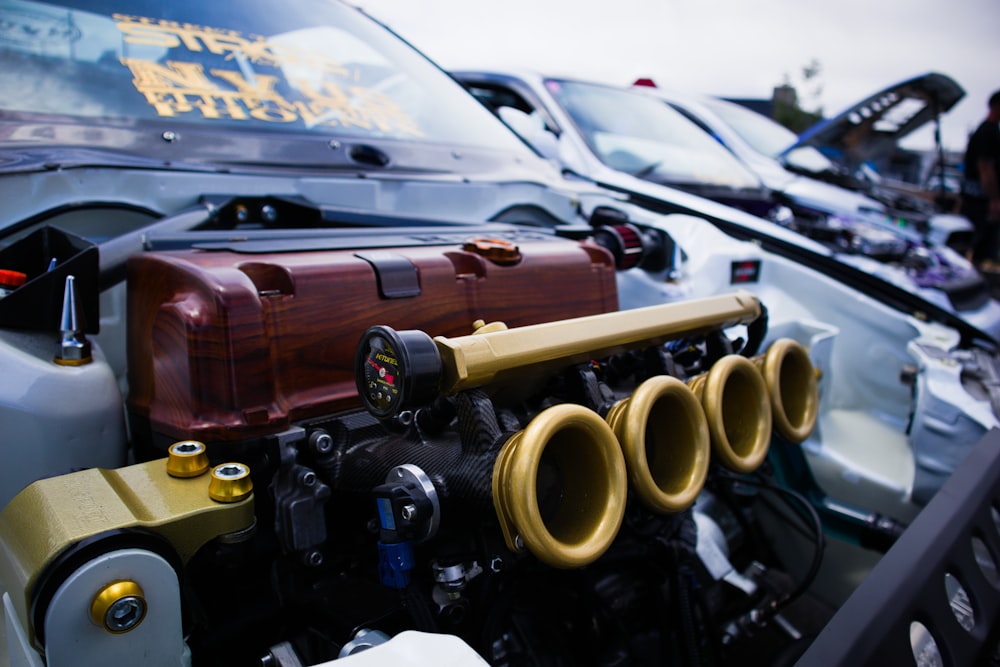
(783, 601)
(681, 549)
(686, 612)
(420, 612)
(820, 545)
(756, 332)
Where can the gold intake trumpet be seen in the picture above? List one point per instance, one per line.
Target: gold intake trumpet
(559, 487)
(791, 382)
(664, 436)
(736, 403)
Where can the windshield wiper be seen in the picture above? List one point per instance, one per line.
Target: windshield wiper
(648, 169)
(56, 157)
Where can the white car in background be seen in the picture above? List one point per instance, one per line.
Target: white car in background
(630, 140)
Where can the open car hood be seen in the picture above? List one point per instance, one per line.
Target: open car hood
(870, 129)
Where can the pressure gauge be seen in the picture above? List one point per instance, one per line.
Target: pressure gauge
(396, 370)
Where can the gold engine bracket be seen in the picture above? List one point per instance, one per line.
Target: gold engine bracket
(51, 515)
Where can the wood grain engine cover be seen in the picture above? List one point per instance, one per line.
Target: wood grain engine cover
(226, 345)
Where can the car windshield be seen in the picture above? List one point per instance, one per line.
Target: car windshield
(640, 135)
(767, 136)
(294, 66)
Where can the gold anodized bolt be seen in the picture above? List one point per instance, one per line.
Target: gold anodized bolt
(230, 483)
(119, 607)
(187, 458)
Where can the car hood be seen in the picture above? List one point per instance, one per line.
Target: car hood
(870, 129)
(826, 197)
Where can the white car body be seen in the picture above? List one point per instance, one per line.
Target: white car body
(569, 149)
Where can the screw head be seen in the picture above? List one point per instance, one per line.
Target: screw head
(187, 458)
(125, 614)
(230, 483)
(231, 471)
(322, 442)
(188, 447)
(119, 607)
(408, 512)
(170, 136)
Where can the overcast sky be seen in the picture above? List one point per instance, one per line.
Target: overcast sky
(736, 48)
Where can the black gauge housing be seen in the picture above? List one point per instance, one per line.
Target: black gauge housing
(396, 370)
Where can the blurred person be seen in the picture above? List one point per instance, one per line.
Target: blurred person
(981, 186)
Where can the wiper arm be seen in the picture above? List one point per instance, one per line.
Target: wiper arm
(648, 169)
(114, 253)
(61, 157)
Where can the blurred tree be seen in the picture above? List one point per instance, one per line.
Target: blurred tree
(789, 109)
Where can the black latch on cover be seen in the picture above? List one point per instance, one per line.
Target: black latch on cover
(397, 276)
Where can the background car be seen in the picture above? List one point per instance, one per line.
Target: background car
(781, 159)
(314, 357)
(617, 136)
(863, 140)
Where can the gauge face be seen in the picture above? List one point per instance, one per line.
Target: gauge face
(396, 370)
(381, 372)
